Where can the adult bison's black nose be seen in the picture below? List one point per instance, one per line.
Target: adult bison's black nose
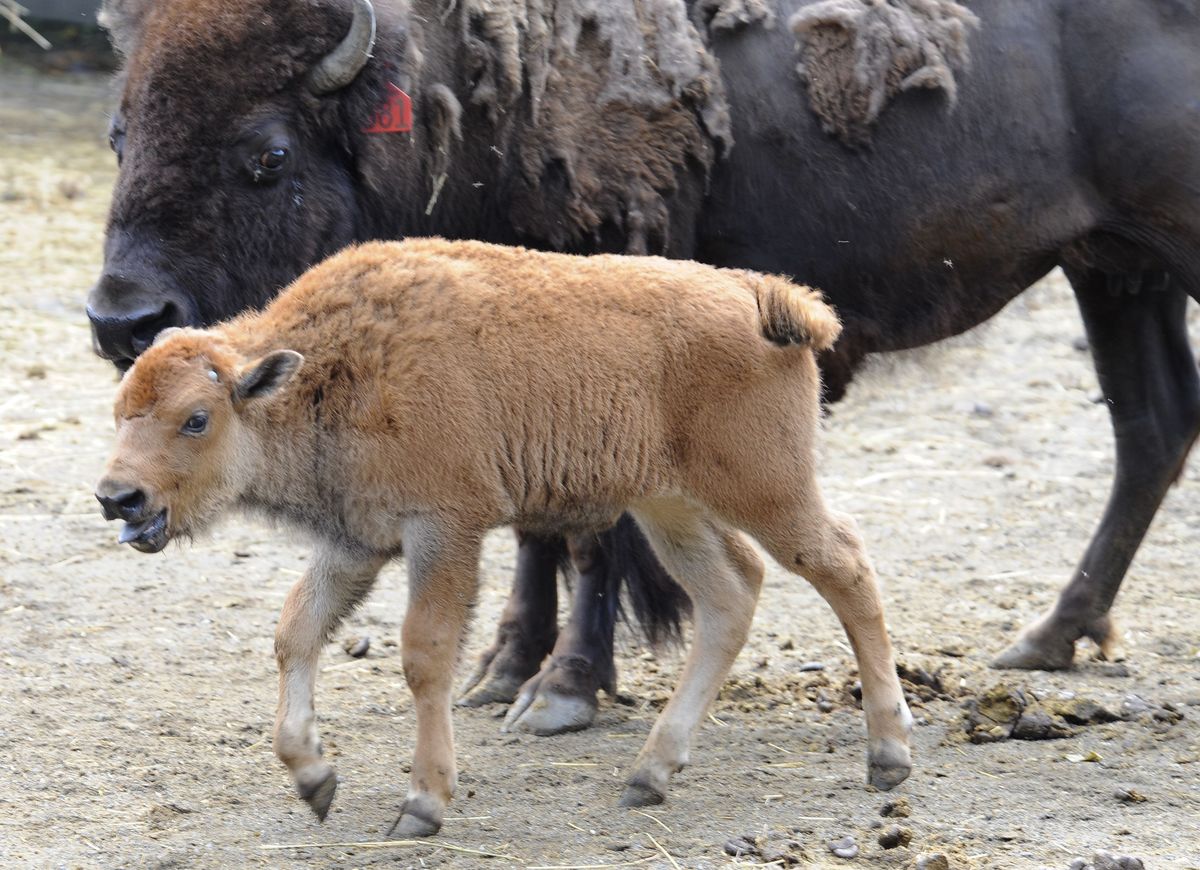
(120, 501)
(126, 315)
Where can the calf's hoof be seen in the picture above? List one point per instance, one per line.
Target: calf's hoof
(416, 819)
(639, 793)
(888, 765)
(318, 791)
(561, 698)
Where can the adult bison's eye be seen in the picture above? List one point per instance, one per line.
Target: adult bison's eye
(196, 424)
(264, 152)
(273, 159)
(269, 163)
(116, 140)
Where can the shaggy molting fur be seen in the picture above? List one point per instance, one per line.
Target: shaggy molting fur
(624, 104)
(714, 15)
(857, 54)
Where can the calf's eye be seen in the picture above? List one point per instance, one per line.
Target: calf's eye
(196, 424)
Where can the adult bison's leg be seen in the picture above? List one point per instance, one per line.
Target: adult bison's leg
(528, 626)
(562, 695)
(1148, 375)
(334, 583)
(443, 564)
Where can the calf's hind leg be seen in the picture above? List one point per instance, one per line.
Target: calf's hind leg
(722, 575)
(336, 580)
(767, 486)
(827, 550)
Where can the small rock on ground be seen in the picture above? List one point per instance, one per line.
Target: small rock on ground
(936, 861)
(844, 848)
(1107, 861)
(1129, 796)
(788, 854)
(740, 846)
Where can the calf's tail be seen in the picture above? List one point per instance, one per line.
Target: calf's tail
(792, 314)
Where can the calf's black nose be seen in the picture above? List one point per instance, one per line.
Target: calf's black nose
(119, 501)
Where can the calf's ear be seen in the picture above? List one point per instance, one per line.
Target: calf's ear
(266, 375)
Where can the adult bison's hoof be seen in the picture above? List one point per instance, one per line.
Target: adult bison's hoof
(889, 765)
(1026, 656)
(561, 698)
(498, 677)
(415, 820)
(319, 793)
(548, 713)
(1039, 648)
(486, 688)
(640, 794)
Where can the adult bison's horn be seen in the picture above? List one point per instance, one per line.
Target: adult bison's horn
(338, 68)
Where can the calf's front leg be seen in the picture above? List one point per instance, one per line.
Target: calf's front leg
(442, 575)
(336, 580)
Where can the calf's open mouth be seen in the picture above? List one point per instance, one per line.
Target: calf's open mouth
(148, 535)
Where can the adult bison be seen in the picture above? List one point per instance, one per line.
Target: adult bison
(250, 141)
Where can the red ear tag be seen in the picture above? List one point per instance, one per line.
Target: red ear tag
(394, 114)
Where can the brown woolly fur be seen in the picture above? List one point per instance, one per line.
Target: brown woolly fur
(625, 101)
(716, 15)
(405, 397)
(858, 53)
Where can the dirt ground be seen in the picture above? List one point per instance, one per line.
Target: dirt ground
(137, 692)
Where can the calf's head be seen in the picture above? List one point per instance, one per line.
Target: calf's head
(183, 452)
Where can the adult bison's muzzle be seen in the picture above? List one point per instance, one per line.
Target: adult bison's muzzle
(126, 315)
(145, 529)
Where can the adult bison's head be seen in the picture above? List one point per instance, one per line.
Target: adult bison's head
(237, 138)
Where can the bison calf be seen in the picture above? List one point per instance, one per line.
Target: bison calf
(408, 397)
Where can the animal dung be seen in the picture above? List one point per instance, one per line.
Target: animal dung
(1004, 713)
(894, 836)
